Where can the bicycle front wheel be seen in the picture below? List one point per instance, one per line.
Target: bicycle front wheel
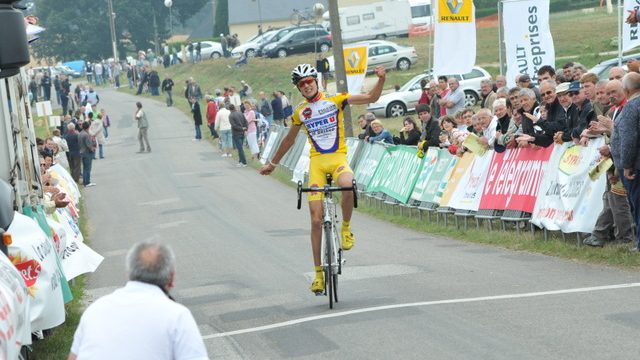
(329, 276)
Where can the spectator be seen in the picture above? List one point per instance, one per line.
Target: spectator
(501, 82)
(238, 129)
(589, 82)
(489, 124)
(265, 107)
(365, 124)
(106, 123)
(381, 134)
(447, 125)
(252, 129)
(190, 50)
(234, 98)
(96, 129)
(488, 95)
(602, 105)
(524, 82)
(223, 127)
(567, 71)
(143, 126)
(197, 117)
(625, 144)
(167, 88)
(586, 114)
(57, 87)
(212, 111)
(193, 90)
(276, 106)
(154, 83)
(409, 133)
(287, 109)
(246, 90)
(162, 330)
(87, 152)
(45, 83)
(546, 72)
(430, 128)
(424, 96)
(568, 122)
(198, 51)
(578, 71)
(616, 73)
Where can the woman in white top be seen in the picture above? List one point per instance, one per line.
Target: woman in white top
(252, 129)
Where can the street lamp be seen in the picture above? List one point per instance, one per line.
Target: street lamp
(169, 4)
(112, 28)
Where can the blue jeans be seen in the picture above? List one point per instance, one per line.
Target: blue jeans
(101, 151)
(198, 132)
(105, 131)
(238, 143)
(225, 138)
(155, 91)
(87, 159)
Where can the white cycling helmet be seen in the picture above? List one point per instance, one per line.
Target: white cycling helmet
(302, 71)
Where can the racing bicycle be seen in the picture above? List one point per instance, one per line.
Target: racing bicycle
(332, 253)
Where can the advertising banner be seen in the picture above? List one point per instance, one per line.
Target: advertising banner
(270, 147)
(302, 166)
(431, 191)
(429, 162)
(469, 191)
(455, 37)
(371, 157)
(630, 32)
(355, 66)
(15, 326)
(462, 167)
(34, 255)
(514, 179)
(397, 173)
(568, 199)
(527, 38)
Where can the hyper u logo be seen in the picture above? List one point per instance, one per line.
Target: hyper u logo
(455, 10)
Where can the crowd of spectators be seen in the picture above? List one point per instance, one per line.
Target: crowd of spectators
(566, 105)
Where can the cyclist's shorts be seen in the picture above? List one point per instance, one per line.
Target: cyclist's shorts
(321, 165)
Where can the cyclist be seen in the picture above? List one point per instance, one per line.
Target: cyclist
(323, 121)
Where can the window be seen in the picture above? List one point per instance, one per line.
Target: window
(475, 73)
(420, 11)
(204, 45)
(385, 50)
(353, 20)
(368, 16)
(373, 50)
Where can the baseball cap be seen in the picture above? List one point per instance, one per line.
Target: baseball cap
(564, 87)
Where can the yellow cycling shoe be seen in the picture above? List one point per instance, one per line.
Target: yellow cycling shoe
(347, 238)
(317, 286)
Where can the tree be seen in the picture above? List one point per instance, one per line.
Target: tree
(221, 25)
(79, 29)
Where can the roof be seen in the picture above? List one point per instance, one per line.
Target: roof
(255, 11)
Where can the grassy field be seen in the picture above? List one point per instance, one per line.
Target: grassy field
(568, 29)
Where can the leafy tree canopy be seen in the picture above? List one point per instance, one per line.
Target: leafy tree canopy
(79, 29)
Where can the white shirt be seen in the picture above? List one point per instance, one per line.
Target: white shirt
(222, 119)
(138, 321)
(235, 100)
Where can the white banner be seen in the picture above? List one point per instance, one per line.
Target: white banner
(568, 200)
(302, 166)
(630, 32)
(469, 190)
(15, 327)
(455, 37)
(270, 146)
(527, 38)
(34, 255)
(355, 65)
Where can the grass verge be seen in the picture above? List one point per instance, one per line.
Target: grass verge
(57, 343)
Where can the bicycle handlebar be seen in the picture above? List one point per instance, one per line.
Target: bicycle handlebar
(327, 190)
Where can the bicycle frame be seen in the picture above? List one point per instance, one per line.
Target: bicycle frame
(332, 260)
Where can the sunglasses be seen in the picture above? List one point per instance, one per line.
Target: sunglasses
(547, 93)
(304, 82)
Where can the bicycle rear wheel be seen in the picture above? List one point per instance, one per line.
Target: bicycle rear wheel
(328, 270)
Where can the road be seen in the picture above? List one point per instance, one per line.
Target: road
(244, 263)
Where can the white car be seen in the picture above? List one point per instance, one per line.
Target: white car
(249, 48)
(208, 50)
(398, 103)
(385, 53)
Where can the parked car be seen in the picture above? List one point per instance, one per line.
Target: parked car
(398, 103)
(299, 41)
(208, 50)
(385, 53)
(602, 69)
(58, 70)
(250, 48)
(280, 33)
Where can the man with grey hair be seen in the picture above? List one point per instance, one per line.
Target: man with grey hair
(140, 320)
(488, 96)
(454, 100)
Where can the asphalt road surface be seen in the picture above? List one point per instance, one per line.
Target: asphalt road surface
(244, 267)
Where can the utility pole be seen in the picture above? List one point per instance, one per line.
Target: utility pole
(112, 29)
(338, 57)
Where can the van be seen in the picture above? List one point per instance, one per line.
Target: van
(377, 20)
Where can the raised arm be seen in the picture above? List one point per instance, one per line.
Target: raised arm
(373, 95)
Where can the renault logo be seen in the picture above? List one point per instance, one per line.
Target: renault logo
(354, 59)
(455, 5)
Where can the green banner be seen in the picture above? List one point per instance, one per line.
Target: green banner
(430, 193)
(428, 165)
(397, 173)
(372, 154)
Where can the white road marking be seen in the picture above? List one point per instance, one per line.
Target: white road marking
(417, 304)
(372, 271)
(171, 224)
(159, 202)
(115, 252)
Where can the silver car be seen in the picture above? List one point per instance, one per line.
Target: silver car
(398, 103)
(208, 50)
(385, 53)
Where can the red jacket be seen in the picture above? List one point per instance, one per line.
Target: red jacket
(212, 111)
